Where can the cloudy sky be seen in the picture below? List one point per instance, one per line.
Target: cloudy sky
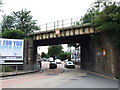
(45, 11)
(49, 10)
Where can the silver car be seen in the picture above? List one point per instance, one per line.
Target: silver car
(69, 64)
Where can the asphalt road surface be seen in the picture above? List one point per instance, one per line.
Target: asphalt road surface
(59, 78)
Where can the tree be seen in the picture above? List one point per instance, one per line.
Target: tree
(8, 23)
(55, 50)
(44, 55)
(1, 5)
(13, 34)
(64, 55)
(20, 20)
(87, 18)
(89, 15)
(108, 20)
(94, 9)
(24, 21)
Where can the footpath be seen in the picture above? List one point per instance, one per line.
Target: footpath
(6, 74)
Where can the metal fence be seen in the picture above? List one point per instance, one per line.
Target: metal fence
(6, 70)
(60, 24)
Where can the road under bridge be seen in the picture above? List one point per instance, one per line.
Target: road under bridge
(100, 59)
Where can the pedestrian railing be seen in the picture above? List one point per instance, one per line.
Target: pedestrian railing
(6, 70)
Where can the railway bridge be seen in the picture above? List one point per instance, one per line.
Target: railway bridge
(94, 58)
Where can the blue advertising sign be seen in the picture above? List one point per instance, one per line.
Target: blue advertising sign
(11, 49)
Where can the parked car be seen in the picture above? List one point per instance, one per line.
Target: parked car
(66, 60)
(69, 64)
(52, 65)
(58, 61)
(44, 59)
(51, 59)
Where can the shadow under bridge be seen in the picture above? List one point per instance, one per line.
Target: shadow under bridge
(85, 41)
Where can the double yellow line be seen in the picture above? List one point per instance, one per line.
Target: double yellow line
(103, 75)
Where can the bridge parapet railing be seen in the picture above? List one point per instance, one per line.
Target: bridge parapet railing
(60, 24)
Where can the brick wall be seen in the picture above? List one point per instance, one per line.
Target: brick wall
(108, 64)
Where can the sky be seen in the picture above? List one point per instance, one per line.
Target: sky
(44, 49)
(45, 11)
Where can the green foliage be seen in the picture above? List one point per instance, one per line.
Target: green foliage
(8, 23)
(13, 34)
(91, 12)
(20, 20)
(55, 50)
(7, 68)
(64, 55)
(87, 18)
(97, 7)
(0, 34)
(108, 21)
(44, 55)
(24, 21)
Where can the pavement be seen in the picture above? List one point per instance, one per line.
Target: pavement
(44, 65)
(83, 72)
(54, 78)
(59, 78)
(6, 74)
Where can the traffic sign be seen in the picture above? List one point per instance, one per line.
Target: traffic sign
(57, 32)
(104, 52)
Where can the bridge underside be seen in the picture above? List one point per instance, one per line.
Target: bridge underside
(92, 58)
(63, 40)
(87, 48)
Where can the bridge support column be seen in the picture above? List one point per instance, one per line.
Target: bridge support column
(107, 64)
(88, 55)
(34, 54)
(28, 54)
